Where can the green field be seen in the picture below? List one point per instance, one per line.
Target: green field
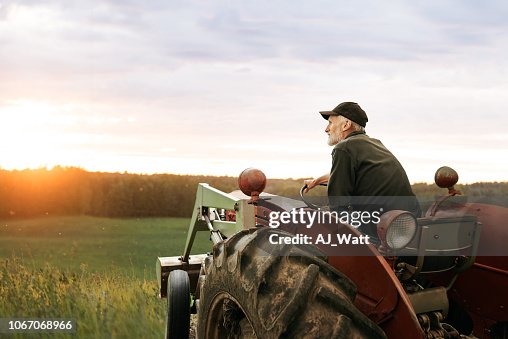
(129, 246)
(98, 271)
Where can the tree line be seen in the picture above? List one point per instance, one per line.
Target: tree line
(74, 191)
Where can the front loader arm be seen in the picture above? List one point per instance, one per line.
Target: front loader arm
(208, 199)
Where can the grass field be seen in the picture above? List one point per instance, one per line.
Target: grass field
(129, 246)
(98, 271)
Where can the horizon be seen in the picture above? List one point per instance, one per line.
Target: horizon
(214, 88)
(49, 169)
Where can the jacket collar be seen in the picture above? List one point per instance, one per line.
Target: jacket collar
(354, 133)
(350, 135)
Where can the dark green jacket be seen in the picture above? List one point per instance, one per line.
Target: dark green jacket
(363, 168)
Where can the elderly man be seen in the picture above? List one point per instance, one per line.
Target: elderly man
(365, 175)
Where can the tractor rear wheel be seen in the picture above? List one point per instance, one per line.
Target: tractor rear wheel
(288, 292)
(178, 311)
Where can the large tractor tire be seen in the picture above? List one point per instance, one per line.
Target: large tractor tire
(255, 290)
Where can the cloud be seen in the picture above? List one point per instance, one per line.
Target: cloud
(464, 13)
(193, 75)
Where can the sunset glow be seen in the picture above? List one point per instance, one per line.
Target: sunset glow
(210, 88)
(28, 135)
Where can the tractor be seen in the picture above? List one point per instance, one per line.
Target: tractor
(440, 275)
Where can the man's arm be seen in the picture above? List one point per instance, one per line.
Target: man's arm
(311, 183)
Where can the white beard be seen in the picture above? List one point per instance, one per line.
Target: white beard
(333, 140)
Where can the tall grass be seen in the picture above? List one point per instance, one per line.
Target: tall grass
(111, 305)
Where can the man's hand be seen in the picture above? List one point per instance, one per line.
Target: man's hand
(311, 183)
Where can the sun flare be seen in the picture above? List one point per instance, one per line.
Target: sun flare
(31, 134)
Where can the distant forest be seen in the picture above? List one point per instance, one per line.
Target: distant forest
(74, 191)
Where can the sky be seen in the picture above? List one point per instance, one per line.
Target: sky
(214, 87)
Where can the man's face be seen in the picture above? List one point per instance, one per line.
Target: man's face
(335, 129)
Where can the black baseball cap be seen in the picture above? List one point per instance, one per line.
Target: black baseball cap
(350, 110)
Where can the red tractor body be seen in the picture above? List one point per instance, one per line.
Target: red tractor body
(449, 279)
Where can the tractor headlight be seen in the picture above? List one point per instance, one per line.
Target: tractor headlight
(396, 229)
